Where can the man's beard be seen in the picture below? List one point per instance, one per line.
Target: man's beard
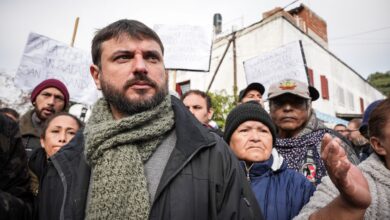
(127, 106)
(41, 116)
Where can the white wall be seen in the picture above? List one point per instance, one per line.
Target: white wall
(268, 35)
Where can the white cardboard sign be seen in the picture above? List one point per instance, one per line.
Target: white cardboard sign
(186, 47)
(273, 66)
(45, 58)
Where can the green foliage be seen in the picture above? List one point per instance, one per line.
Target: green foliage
(222, 104)
(381, 81)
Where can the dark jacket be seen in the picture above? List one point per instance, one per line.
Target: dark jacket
(203, 178)
(281, 192)
(63, 181)
(15, 195)
(30, 134)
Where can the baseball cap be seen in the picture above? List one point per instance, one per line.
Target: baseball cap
(253, 86)
(366, 115)
(294, 87)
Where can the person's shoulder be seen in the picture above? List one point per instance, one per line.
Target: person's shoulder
(9, 128)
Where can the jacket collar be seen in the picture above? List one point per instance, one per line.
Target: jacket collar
(26, 125)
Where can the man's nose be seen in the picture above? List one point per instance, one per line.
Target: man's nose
(287, 106)
(139, 64)
(51, 100)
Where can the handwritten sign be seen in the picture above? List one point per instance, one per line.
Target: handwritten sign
(273, 66)
(45, 58)
(186, 47)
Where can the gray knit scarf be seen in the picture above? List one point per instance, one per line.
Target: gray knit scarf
(116, 150)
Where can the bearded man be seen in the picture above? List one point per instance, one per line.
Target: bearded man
(48, 97)
(149, 158)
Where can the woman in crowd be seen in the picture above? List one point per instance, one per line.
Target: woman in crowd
(351, 192)
(280, 192)
(60, 167)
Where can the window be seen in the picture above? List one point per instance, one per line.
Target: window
(183, 87)
(361, 105)
(310, 75)
(324, 87)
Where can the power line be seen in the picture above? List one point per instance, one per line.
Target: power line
(361, 33)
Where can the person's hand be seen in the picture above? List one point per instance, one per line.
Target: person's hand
(348, 179)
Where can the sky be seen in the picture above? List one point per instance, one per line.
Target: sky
(358, 30)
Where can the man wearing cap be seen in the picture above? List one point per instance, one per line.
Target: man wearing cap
(299, 131)
(48, 97)
(253, 92)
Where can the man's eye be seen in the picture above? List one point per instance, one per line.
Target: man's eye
(152, 57)
(122, 57)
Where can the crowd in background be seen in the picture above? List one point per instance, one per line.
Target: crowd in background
(145, 154)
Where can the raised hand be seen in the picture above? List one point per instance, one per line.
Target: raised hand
(348, 179)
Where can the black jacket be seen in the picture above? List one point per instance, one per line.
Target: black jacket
(63, 181)
(202, 178)
(30, 134)
(15, 195)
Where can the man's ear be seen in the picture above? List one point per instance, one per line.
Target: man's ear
(95, 73)
(210, 113)
(42, 143)
(377, 146)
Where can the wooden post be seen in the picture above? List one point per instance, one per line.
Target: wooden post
(234, 69)
(174, 80)
(76, 24)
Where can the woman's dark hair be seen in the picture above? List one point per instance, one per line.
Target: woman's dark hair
(379, 117)
(47, 122)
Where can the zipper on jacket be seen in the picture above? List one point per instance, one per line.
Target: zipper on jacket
(247, 169)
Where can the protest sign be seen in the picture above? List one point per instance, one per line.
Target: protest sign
(186, 47)
(281, 63)
(45, 58)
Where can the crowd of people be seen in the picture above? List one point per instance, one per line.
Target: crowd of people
(145, 154)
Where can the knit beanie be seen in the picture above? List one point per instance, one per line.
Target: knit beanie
(50, 83)
(249, 111)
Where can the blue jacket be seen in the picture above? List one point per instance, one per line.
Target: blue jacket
(280, 192)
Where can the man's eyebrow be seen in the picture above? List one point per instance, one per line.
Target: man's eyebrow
(122, 52)
(152, 52)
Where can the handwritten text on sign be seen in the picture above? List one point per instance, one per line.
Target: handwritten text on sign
(186, 47)
(44, 58)
(281, 63)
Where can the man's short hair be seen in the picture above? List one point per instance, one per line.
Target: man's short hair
(340, 125)
(199, 93)
(356, 121)
(132, 28)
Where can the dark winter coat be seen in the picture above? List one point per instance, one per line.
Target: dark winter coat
(15, 195)
(30, 134)
(63, 181)
(281, 192)
(203, 178)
